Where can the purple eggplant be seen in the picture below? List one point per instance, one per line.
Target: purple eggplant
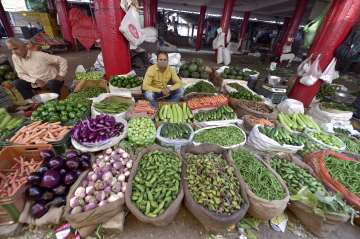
(62, 171)
(72, 164)
(34, 178)
(56, 162)
(70, 178)
(60, 190)
(85, 164)
(71, 154)
(34, 192)
(43, 169)
(85, 156)
(47, 154)
(57, 202)
(47, 196)
(51, 179)
(38, 210)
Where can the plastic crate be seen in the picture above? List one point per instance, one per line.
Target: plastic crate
(11, 207)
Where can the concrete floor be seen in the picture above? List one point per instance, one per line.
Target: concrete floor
(185, 226)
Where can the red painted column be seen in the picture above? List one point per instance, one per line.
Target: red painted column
(226, 16)
(154, 7)
(5, 22)
(63, 13)
(148, 18)
(200, 30)
(341, 17)
(114, 46)
(244, 27)
(292, 28)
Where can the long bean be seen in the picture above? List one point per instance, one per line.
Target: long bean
(261, 181)
(346, 172)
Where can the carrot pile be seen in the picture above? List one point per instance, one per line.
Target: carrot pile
(254, 121)
(207, 101)
(13, 178)
(40, 133)
(143, 106)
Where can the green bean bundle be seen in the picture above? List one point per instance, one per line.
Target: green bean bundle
(262, 182)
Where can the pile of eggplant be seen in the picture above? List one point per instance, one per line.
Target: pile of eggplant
(50, 184)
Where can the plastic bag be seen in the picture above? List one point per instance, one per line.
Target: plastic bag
(149, 34)
(101, 97)
(220, 55)
(313, 75)
(291, 106)
(80, 68)
(226, 56)
(131, 28)
(304, 67)
(330, 73)
(263, 143)
(176, 143)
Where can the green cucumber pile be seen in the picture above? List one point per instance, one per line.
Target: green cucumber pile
(200, 87)
(281, 135)
(223, 136)
(141, 131)
(242, 93)
(222, 113)
(346, 172)
(297, 122)
(328, 139)
(65, 111)
(212, 183)
(175, 131)
(157, 182)
(126, 81)
(112, 105)
(295, 177)
(261, 181)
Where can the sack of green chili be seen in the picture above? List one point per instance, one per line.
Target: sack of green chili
(267, 192)
(318, 217)
(210, 177)
(154, 192)
(338, 172)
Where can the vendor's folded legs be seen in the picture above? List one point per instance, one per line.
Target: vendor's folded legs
(54, 86)
(153, 97)
(24, 88)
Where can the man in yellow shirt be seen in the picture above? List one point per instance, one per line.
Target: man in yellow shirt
(36, 69)
(157, 80)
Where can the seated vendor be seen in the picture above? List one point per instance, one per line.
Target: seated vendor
(36, 69)
(157, 79)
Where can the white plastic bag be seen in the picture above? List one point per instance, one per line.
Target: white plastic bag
(224, 125)
(220, 55)
(263, 143)
(103, 96)
(330, 73)
(304, 67)
(313, 75)
(176, 143)
(80, 68)
(219, 41)
(149, 34)
(114, 89)
(227, 56)
(291, 106)
(131, 28)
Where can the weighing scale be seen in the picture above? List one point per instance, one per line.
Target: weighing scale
(275, 93)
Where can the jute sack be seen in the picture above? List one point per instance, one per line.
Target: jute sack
(87, 222)
(264, 209)
(212, 221)
(169, 214)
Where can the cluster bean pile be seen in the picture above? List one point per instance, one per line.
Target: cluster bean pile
(112, 105)
(213, 183)
(295, 176)
(261, 181)
(346, 172)
(223, 136)
(157, 182)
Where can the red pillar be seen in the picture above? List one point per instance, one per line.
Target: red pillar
(244, 27)
(341, 17)
(63, 13)
(154, 7)
(114, 46)
(200, 30)
(226, 16)
(5, 22)
(148, 18)
(292, 28)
